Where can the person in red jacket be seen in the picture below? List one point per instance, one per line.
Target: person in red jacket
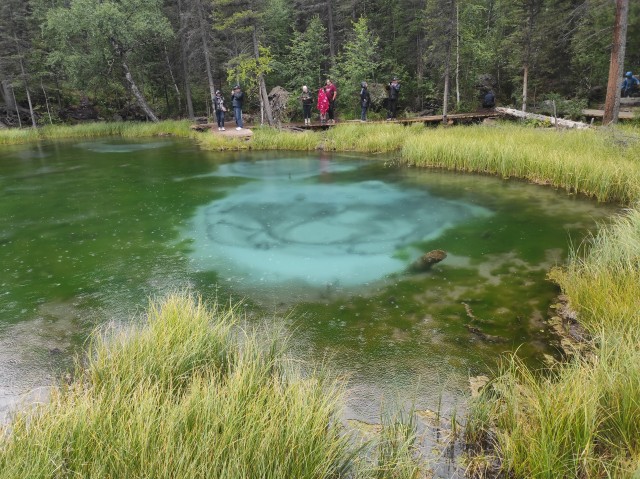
(323, 104)
(331, 91)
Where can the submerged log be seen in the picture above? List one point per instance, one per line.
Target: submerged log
(533, 116)
(427, 260)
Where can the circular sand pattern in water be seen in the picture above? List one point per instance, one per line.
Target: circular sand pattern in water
(286, 231)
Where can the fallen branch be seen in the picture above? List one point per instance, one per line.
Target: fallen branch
(533, 116)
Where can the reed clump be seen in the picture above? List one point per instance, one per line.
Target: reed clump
(369, 138)
(594, 163)
(271, 139)
(189, 394)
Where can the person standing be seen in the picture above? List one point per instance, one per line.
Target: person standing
(630, 85)
(332, 92)
(307, 103)
(489, 100)
(365, 100)
(237, 98)
(323, 105)
(393, 89)
(218, 104)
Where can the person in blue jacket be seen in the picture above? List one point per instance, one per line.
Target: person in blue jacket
(630, 85)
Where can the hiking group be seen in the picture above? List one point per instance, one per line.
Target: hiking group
(328, 93)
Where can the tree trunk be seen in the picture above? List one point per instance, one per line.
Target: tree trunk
(15, 103)
(46, 101)
(5, 90)
(534, 116)
(457, 55)
(265, 106)
(204, 28)
(26, 85)
(331, 32)
(185, 65)
(445, 100)
(173, 80)
(525, 81)
(132, 84)
(616, 65)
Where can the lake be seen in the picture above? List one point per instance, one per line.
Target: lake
(319, 242)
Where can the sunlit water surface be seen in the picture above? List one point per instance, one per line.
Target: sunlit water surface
(89, 231)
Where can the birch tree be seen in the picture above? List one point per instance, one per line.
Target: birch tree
(104, 41)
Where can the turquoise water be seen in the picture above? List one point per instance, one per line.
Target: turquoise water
(89, 231)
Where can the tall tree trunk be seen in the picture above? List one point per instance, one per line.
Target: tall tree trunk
(265, 106)
(15, 103)
(185, 64)
(204, 28)
(173, 80)
(449, 32)
(420, 69)
(457, 55)
(132, 84)
(445, 100)
(525, 86)
(5, 90)
(26, 84)
(616, 65)
(46, 101)
(331, 32)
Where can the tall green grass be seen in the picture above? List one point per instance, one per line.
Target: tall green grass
(582, 419)
(98, 129)
(369, 138)
(189, 394)
(595, 163)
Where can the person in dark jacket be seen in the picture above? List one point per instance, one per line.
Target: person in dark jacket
(237, 98)
(489, 100)
(393, 89)
(307, 102)
(365, 100)
(218, 105)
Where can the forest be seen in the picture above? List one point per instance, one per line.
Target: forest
(69, 60)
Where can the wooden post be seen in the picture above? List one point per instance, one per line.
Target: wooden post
(612, 102)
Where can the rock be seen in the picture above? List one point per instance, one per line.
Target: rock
(427, 260)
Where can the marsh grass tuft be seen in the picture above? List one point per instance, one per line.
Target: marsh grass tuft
(580, 419)
(188, 394)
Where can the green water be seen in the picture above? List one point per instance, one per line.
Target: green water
(89, 231)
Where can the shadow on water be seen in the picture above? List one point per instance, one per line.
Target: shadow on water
(90, 231)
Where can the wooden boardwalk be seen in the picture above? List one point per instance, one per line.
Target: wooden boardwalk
(623, 115)
(455, 118)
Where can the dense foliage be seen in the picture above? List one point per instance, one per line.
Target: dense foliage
(136, 59)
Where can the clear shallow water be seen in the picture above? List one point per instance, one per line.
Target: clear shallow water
(90, 230)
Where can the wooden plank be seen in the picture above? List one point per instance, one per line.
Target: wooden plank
(623, 115)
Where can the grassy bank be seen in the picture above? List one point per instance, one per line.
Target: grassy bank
(190, 395)
(582, 418)
(96, 130)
